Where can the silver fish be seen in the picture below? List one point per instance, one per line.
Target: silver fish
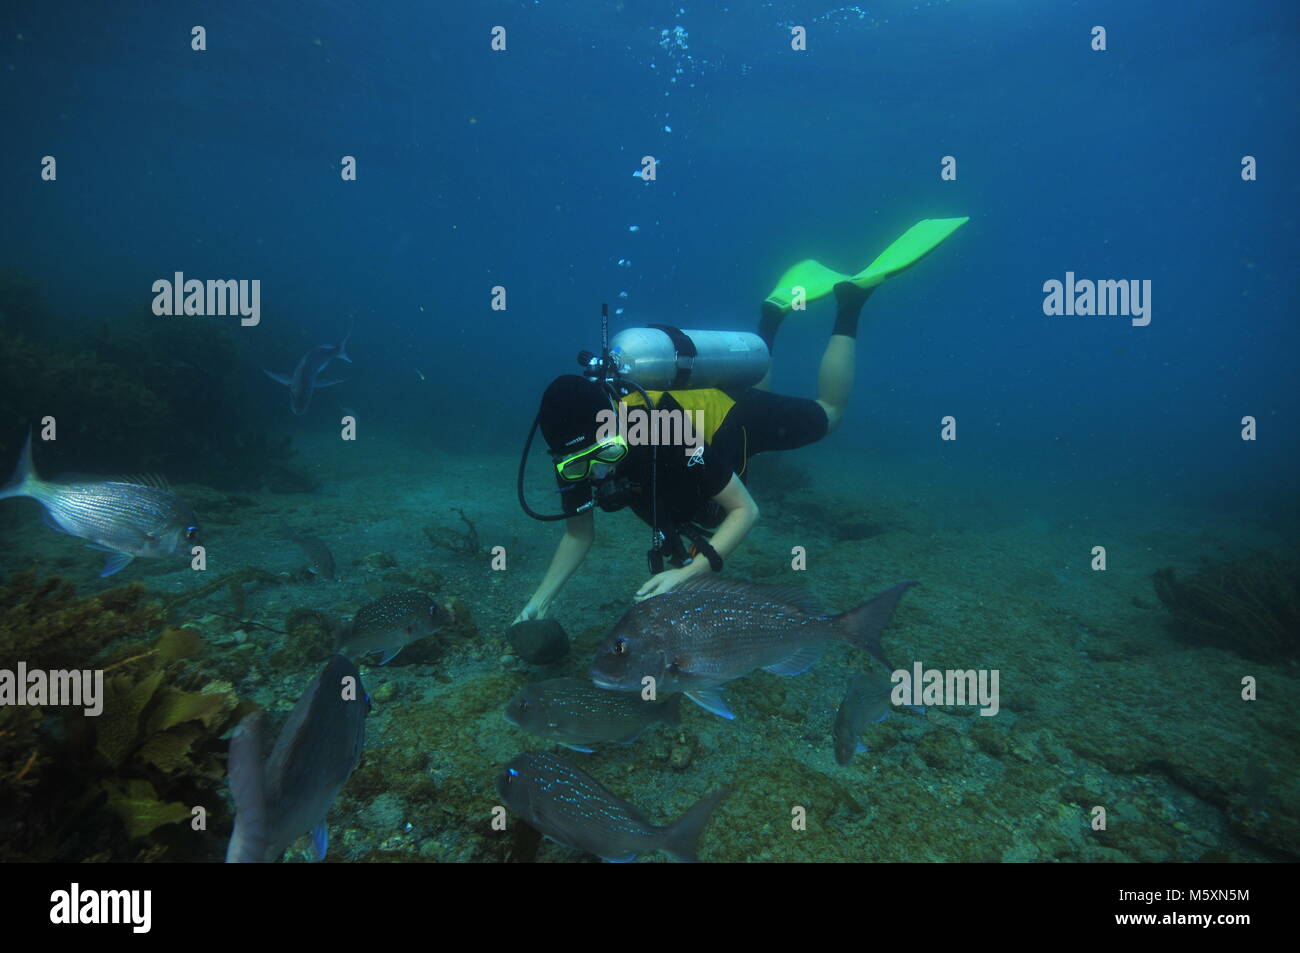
(575, 810)
(576, 714)
(391, 623)
(315, 754)
(305, 379)
(866, 700)
(320, 561)
(705, 633)
(125, 518)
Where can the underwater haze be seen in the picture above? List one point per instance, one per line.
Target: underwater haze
(432, 203)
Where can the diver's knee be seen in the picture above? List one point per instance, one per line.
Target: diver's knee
(833, 415)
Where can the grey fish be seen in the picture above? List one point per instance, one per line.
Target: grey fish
(866, 700)
(705, 633)
(125, 518)
(576, 714)
(320, 561)
(391, 623)
(305, 379)
(315, 754)
(575, 810)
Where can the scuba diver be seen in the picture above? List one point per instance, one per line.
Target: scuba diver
(696, 502)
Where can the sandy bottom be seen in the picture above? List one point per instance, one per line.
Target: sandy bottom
(1101, 708)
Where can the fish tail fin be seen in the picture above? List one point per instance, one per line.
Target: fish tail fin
(343, 347)
(682, 837)
(20, 484)
(864, 625)
(248, 841)
(320, 840)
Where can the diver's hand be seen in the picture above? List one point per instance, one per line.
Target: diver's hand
(666, 581)
(534, 610)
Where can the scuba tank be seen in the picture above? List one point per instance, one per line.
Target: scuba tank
(659, 357)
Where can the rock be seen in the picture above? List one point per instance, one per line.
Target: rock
(377, 561)
(385, 692)
(384, 813)
(539, 641)
(941, 748)
(991, 740)
(680, 758)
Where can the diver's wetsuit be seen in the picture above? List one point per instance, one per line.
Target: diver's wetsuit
(757, 421)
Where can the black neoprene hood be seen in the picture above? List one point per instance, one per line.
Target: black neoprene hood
(568, 413)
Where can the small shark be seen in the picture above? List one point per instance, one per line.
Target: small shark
(306, 379)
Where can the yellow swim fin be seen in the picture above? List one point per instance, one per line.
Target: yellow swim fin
(817, 280)
(813, 277)
(913, 245)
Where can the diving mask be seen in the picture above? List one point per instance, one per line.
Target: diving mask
(578, 466)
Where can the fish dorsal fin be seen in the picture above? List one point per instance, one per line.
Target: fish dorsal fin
(788, 593)
(155, 480)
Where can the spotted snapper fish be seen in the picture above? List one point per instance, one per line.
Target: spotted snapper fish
(126, 517)
(315, 754)
(389, 624)
(305, 379)
(576, 714)
(867, 699)
(575, 810)
(704, 633)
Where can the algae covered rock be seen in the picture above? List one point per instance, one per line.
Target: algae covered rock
(941, 748)
(539, 641)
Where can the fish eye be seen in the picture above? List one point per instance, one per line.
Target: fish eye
(620, 646)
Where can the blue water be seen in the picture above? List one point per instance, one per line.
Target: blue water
(479, 168)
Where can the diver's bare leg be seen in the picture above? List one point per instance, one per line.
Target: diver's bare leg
(835, 377)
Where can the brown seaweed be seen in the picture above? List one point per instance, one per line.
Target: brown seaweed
(1250, 605)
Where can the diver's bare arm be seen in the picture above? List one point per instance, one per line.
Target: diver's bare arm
(579, 532)
(742, 514)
